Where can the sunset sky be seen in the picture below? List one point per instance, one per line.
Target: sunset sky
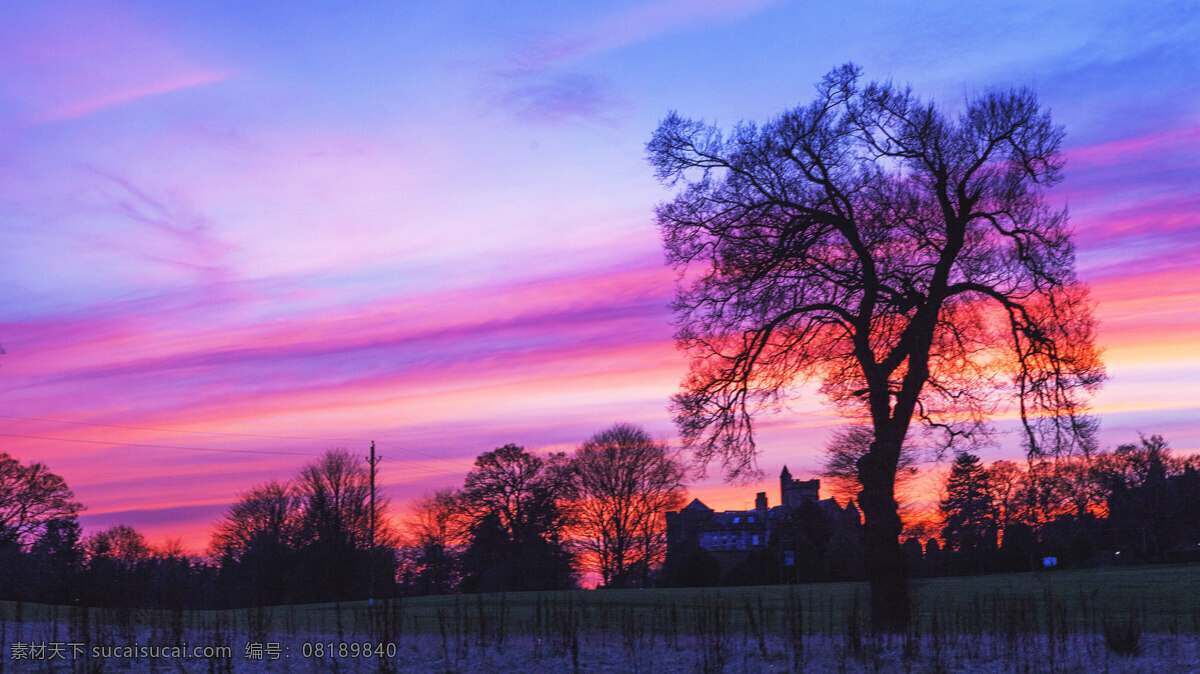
(235, 235)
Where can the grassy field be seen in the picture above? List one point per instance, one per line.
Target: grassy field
(1162, 598)
(1068, 619)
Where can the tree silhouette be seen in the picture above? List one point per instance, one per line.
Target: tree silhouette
(1004, 483)
(336, 495)
(58, 557)
(120, 545)
(335, 527)
(1144, 500)
(517, 537)
(257, 541)
(898, 254)
(31, 497)
(848, 445)
(437, 531)
(624, 481)
(115, 571)
(307, 540)
(970, 513)
(266, 517)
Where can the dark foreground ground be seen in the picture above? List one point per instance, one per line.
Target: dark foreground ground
(1125, 619)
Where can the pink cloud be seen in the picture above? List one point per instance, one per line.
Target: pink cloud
(561, 352)
(1153, 215)
(69, 63)
(446, 374)
(1152, 145)
(72, 109)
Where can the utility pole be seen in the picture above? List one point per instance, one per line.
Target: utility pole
(372, 461)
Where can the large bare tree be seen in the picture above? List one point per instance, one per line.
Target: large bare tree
(899, 254)
(624, 482)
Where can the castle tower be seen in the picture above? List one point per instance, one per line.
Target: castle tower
(787, 492)
(793, 492)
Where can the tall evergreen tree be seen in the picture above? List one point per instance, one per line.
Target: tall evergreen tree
(970, 513)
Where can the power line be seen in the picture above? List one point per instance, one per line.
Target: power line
(417, 451)
(435, 458)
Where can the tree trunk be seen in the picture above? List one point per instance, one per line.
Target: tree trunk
(887, 569)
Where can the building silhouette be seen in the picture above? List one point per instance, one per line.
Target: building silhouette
(764, 544)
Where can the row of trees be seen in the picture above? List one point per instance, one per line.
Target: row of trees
(44, 556)
(520, 521)
(524, 521)
(527, 522)
(1138, 501)
(308, 539)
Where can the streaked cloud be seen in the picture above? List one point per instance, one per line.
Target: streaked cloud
(72, 108)
(83, 59)
(232, 241)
